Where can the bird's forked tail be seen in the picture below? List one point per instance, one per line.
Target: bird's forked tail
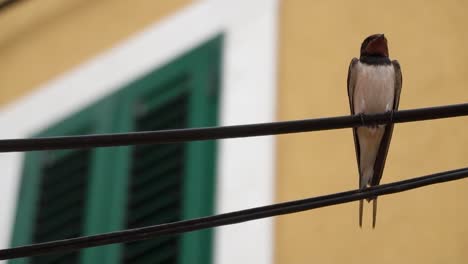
(361, 204)
(374, 212)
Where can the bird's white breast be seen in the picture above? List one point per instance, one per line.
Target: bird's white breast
(375, 88)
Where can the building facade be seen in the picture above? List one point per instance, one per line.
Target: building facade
(82, 67)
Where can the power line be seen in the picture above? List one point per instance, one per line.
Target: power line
(149, 232)
(210, 133)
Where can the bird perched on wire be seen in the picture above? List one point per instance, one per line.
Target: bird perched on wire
(374, 86)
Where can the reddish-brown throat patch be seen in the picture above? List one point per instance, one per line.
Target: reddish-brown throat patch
(378, 46)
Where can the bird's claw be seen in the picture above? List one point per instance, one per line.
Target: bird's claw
(361, 115)
(391, 115)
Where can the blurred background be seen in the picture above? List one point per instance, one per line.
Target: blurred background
(85, 67)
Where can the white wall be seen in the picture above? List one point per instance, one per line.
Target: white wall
(246, 167)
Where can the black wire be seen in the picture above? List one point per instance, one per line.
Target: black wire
(149, 232)
(263, 129)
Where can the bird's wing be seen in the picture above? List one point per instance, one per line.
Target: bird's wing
(352, 76)
(387, 136)
(398, 83)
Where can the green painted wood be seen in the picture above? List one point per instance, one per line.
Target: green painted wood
(23, 228)
(105, 173)
(200, 170)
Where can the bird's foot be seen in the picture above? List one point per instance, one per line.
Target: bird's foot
(361, 115)
(391, 115)
(372, 126)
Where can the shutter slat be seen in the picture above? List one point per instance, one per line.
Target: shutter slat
(145, 246)
(155, 209)
(58, 193)
(164, 119)
(155, 188)
(152, 155)
(58, 167)
(62, 193)
(156, 172)
(63, 222)
(157, 254)
(158, 164)
(59, 177)
(56, 258)
(57, 207)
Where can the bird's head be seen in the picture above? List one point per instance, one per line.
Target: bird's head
(375, 46)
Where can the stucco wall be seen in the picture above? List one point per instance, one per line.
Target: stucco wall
(317, 41)
(42, 39)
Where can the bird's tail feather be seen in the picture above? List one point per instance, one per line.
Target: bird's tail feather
(374, 212)
(361, 204)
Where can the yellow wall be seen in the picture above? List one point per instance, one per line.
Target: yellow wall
(317, 41)
(42, 39)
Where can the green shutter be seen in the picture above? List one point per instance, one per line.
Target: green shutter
(109, 189)
(56, 188)
(176, 180)
(156, 179)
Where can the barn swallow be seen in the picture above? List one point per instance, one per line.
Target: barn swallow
(374, 86)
